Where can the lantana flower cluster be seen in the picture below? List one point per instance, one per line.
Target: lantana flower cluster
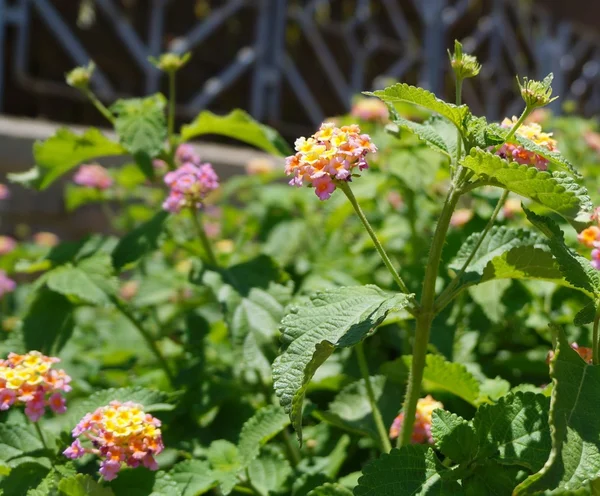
(422, 428)
(330, 155)
(7, 285)
(30, 380)
(120, 433)
(190, 183)
(590, 238)
(370, 109)
(517, 153)
(93, 176)
(7, 244)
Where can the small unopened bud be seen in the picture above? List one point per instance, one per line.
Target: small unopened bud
(464, 65)
(536, 93)
(170, 62)
(80, 76)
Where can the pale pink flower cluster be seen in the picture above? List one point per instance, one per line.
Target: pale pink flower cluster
(30, 380)
(4, 192)
(422, 428)
(7, 285)
(120, 433)
(370, 109)
(517, 153)
(330, 155)
(7, 244)
(93, 176)
(45, 239)
(190, 183)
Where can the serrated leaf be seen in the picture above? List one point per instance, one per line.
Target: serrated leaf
(402, 92)
(240, 126)
(515, 430)
(259, 430)
(82, 485)
(143, 482)
(225, 461)
(64, 151)
(586, 315)
(338, 318)
(141, 124)
(453, 377)
(139, 242)
(72, 281)
(16, 442)
(194, 477)
(23, 478)
(453, 436)
(575, 456)
(49, 321)
(413, 470)
(556, 191)
(437, 133)
(492, 479)
(269, 472)
(330, 489)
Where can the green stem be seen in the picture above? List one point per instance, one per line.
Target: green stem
(424, 317)
(345, 187)
(99, 105)
(459, 83)
(42, 439)
(386, 446)
(148, 338)
(293, 451)
(595, 337)
(513, 130)
(243, 489)
(448, 290)
(171, 121)
(203, 238)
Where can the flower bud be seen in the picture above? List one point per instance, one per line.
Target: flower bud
(464, 65)
(536, 94)
(80, 76)
(170, 62)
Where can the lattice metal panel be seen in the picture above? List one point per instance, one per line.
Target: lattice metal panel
(289, 62)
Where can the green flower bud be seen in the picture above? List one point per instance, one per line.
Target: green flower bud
(80, 76)
(170, 62)
(464, 65)
(536, 93)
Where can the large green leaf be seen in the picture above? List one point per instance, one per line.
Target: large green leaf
(437, 133)
(16, 443)
(413, 470)
(237, 125)
(269, 472)
(139, 242)
(194, 477)
(82, 485)
(453, 436)
(225, 461)
(329, 489)
(492, 479)
(337, 318)
(575, 456)
(515, 430)
(141, 124)
(63, 151)
(22, 479)
(257, 431)
(556, 191)
(402, 92)
(143, 482)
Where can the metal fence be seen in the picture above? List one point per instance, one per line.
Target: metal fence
(290, 63)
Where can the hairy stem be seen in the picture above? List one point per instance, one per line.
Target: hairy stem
(171, 121)
(513, 129)
(148, 338)
(424, 318)
(203, 238)
(99, 105)
(386, 446)
(40, 434)
(293, 451)
(595, 337)
(459, 83)
(345, 187)
(448, 290)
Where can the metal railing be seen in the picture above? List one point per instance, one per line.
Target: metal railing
(291, 63)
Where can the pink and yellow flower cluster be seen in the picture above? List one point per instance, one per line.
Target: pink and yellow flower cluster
(370, 109)
(517, 153)
(590, 238)
(7, 285)
(30, 380)
(422, 428)
(120, 433)
(93, 176)
(330, 155)
(190, 183)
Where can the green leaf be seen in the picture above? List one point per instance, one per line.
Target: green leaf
(437, 133)
(74, 282)
(139, 242)
(143, 482)
(338, 318)
(17, 442)
(586, 315)
(82, 485)
(575, 269)
(63, 151)
(48, 322)
(225, 461)
(193, 477)
(23, 478)
(402, 92)
(269, 472)
(453, 377)
(575, 456)
(329, 489)
(78, 196)
(492, 479)
(413, 470)
(141, 124)
(240, 126)
(259, 430)
(556, 191)
(453, 436)
(515, 430)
